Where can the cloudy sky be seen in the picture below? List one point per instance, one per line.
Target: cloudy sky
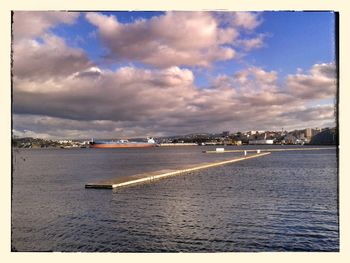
(134, 74)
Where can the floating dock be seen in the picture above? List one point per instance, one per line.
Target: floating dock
(149, 177)
(270, 150)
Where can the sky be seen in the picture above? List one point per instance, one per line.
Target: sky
(136, 74)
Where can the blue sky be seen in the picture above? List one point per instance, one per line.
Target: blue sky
(163, 73)
(298, 40)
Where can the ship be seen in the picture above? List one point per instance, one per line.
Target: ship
(122, 144)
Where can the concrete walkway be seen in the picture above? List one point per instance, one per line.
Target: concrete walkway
(149, 177)
(272, 150)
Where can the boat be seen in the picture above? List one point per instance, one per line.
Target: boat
(122, 144)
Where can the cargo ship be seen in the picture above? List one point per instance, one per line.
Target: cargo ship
(122, 144)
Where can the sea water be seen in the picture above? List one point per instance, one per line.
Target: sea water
(285, 201)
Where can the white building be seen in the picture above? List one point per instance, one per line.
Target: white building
(260, 141)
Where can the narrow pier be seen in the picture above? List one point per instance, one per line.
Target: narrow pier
(270, 150)
(149, 177)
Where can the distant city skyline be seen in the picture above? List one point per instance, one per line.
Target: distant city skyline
(133, 74)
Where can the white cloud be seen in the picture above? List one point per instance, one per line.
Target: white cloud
(177, 38)
(252, 43)
(92, 72)
(136, 101)
(48, 59)
(247, 20)
(126, 94)
(320, 83)
(317, 116)
(31, 24)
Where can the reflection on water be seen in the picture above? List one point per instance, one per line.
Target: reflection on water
(286, 201)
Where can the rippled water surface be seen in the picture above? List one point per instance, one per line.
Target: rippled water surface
(286, 201)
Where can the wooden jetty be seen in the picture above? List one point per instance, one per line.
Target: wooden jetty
(149, 177)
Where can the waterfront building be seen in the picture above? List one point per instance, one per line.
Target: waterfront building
(261, 141)
(225, 133)
(290, 139)
(308, 133)
(237, 142)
